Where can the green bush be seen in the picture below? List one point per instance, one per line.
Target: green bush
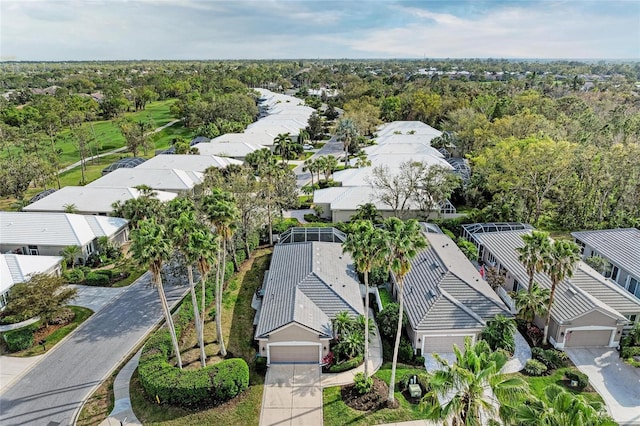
(537, 353)
(405, 351)
(535, 368)
(581, 378)
(280, 225)
(555, 358)
(630, 351)
(107, 272)
(363, 385)
(18, 340)
(387, 350)
(73, 276)
(97, 279)
(260, 364)
(347, 365)
(419, 360)
(207, 386)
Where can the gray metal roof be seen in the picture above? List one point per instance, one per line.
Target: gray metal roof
(308, 284)
(570, 301)
(621, 246)
(443, 290)
(605, 290)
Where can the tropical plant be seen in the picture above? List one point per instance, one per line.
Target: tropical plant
(347, 132)
(633, 337)
(600, 264)
(362, 383)
(343, 323)
(367, 246)
(561, 261)
(70, 254)
(145, 206)
(404, 240)
(531, 303)
(467, 392)
(151, 246)
(70, 208)
(533, 254)
(499, 333)
(367, 211)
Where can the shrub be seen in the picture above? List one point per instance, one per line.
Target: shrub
(535, 368)
(63, 316)
(363, 385)
(73, 276)
(630, 351)
(581, 379)
(419, 360)
(260, 364)
(207, 386)
(387, 320)
(328, 359)
(18, 340)
(387, 350)
(555, 358)
(347, 365)
(405, 351)
(97, 279)
(537, 353)
(107, 272)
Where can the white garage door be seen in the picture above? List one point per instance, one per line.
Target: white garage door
(587, 338)
(442, 344)
(294, 354)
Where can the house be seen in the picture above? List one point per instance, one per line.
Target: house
(407, 128)
(16, 268)
(621, 248)
(89, 200)
(445, 298)
(308, 283)
(579, 318)
(188, 163)
(47, 234)
(170, 180)
(226, 147)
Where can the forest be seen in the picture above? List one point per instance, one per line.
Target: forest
(555, 143)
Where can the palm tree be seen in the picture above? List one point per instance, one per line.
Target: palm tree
(367, 247)
(151, 246)
(186, 234)
(220, 209)
(70, 254)
(532, 255)
(347, 132)
(498, 333)
(367, 211)
(70, 208)
(559, 408)
(532, 303)
(562, 259)
(330, 164)
(283, 144)
(467, 392)
(404, 241)
(310, 165)
(343, 323)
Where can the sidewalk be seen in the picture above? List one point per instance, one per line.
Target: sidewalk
(122, 413)
(521, 355)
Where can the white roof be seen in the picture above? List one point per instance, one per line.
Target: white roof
(353, 176)
(393, 161)
(55, 229)
(192, 163)
(88, 199)
(405, 127)
(272, 98)
(162, 179)
(350, 197)
(16, 268)
(408, 149)
(228, 149)
(274, 128)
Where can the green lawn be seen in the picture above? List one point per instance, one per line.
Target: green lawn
(385, 296)
(336, 412)
(537, 385)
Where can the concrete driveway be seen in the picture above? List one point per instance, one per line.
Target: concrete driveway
(617, 382)
(292, 396)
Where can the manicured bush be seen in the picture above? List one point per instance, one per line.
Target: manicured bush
(107, 272)
(419, 360)
(405, 351)
(73, 276)
(207, 386)
(581, 379)
(630, 351)
(555, 358)
(535, 368)
(363, 385)
(537, 353)
(18, 340)
(97, 279)
(347, 365)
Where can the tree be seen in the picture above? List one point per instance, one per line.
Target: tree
(534, 252)
(137, 133)
(347, 132)
(314, 127)
(532, 303)
(467, 392)
(367, 246)
(499, 332)
(151, 246)
(435, 185)
(286, 148)
(328, 165)
(396, 190)
(367, 211)
(342, 324)
(362, 160)
(390, 109)
(42, 295)
(70, 254)
(404, 241)
(145, 206)
(81, 139)
(221, 212)
(561, 261)
(600, 264)
(17, 173)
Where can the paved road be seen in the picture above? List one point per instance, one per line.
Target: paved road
(331, 147)
(55, 388)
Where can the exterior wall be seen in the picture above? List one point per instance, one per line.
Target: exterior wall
(623, 275)
(290, 334)
(121, 236)
(591, 321)
(421, 339)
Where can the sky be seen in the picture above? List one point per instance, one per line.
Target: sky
(59, 30)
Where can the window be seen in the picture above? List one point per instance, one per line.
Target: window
(634, 287)
(632, 318)
(516, 286)
(581, 245)
(33, 250)
(615, 271)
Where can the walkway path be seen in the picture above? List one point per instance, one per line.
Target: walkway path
(122, 413)
(114, 151)
(521, 355)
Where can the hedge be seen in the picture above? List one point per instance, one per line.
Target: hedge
(581, 378)
(97, 279)
(207, 386)
(18, 340)
(74, 276)
(630, 351)
(347, 365)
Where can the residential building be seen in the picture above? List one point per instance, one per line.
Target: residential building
(188, 163)
(16, 268)
(170, 180)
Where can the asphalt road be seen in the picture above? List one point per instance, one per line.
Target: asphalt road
(55, 388)
(331, 147)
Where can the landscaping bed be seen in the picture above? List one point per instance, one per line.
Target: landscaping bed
(370, 401)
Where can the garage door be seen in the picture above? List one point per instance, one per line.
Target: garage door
(442, 344)
(587, 338)
(294, 354)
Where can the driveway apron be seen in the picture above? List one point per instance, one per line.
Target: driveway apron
(292, 395)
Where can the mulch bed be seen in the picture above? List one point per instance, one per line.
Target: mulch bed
(44, 332)
(371, 401)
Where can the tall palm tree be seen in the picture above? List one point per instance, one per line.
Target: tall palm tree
(532, 255)
(347, 132)
(532, 303)
(283, 144)
(220, 209)
(186, 233)
(404, 241)
(465, 392)
(151, 246)
(562, 259)
(367, 247)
